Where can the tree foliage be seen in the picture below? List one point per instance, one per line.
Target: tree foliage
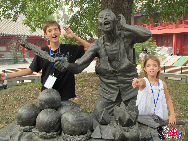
(84, 21)
(62, 14)
(169, 10)
(36, 12)
(82, 14)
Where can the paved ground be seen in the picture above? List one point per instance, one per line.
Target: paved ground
(90, 68)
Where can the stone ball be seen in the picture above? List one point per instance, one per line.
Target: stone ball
(75, 121)
(26, 116)
(69, 103)
(64, 109)
(49, 99)
(48, 120)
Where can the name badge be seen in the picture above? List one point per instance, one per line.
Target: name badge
(50, 81)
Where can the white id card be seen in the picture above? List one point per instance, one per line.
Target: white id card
(50, 81)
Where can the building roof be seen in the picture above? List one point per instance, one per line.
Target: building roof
(8, 27)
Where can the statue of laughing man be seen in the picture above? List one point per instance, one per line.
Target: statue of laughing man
(116, 65)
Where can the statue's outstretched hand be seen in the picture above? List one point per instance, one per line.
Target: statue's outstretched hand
(61, 64)
(122, 20)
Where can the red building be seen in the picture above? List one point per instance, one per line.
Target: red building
(168, 34)
(10, 31)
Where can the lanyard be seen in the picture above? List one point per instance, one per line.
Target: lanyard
(155, 102)
(58, 57)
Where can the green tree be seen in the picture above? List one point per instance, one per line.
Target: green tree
(86, 16)
(84, 20)
(36, 12)
(149, 45)
(169, 10)
(62, 14)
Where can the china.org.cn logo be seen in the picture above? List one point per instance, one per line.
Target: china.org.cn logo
(172, 133)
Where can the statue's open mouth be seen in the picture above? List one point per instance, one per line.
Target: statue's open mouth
(107, 24)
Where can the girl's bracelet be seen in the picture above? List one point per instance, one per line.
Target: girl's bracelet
(5, 76)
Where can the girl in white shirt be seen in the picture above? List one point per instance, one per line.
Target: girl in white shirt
(153, 96)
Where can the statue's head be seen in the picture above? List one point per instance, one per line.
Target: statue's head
(107, 20)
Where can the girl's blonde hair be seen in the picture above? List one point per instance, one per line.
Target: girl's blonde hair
(152, 57)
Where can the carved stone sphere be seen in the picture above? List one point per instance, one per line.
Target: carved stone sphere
(69, 103)
(49, 99)
(64, 109)
(26, 116)
(75, 121)
(48, 120)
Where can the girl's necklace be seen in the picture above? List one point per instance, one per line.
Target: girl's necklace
(155, 102)
(153, 83)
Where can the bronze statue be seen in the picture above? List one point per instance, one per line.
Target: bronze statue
(116, 65)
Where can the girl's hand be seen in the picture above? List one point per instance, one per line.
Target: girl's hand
(172, 120)
(136, 83)
(70, 33)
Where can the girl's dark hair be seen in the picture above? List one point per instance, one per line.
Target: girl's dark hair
(155, 58)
